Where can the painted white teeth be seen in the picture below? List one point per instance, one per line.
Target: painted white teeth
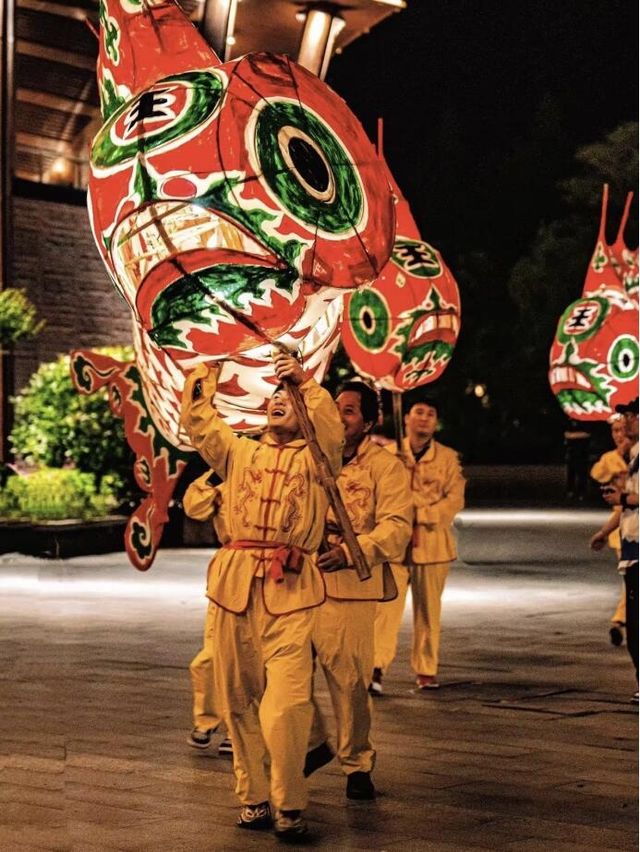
(164, 229)
(439, 321)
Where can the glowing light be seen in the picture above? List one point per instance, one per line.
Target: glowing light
(533, 517)
(480, 390)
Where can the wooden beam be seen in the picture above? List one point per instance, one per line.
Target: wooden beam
(57, 102)
(53, 54)
(74, 12)
(7, 144)
(44, 143)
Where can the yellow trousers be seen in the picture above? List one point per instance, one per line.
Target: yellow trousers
(389, 619)
(201, 671)
(343, 640)
(620, 615)
(263, 676)
(427, 586)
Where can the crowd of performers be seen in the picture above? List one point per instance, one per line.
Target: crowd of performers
(283, 596)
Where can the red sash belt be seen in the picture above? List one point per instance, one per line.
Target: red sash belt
(285, 557)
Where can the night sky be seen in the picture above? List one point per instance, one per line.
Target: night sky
(485, 105)
(461, 85)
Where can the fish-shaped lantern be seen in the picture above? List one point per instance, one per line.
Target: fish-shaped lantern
(232, 204)
(594, 358)
(401, 330)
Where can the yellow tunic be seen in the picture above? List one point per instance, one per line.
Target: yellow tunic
(273, 495)
(202, 501)
(375, 489)
(609, 465)
(438, 485)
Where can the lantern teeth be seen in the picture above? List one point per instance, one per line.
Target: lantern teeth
(569, 377)
(434, 325)
(169, 228)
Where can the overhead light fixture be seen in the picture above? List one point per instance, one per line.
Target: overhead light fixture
(322, 26)
(218, 25)
(397, 4)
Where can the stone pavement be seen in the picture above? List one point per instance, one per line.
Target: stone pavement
(530, 744)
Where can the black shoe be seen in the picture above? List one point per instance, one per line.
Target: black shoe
(200, 739)
(616, 634)
(375, 687)
(317, 757)
(255, 817)
(360, 786)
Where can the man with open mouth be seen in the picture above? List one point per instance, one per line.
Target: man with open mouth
(265, 583)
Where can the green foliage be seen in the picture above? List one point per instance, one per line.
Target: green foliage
(17, 317)
(56, 426)
(52, 494)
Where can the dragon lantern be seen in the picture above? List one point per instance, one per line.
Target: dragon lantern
(594, 356)
(401, 331)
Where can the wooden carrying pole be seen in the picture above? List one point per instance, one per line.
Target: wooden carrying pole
(328, 482)
(306, 426)
(397, 419)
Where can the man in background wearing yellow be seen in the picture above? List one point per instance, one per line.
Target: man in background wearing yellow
(437, 486)
(609, 466)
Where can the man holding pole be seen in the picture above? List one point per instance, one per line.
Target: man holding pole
(265, 584)
(375, 490)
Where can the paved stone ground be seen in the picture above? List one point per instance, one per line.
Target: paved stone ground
(530, 744)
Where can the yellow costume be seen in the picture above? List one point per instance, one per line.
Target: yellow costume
(611, 464)
(265, 583)
(437, 485)
(376, 493)
(202, 501)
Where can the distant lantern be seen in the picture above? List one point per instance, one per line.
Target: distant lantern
(594, 358)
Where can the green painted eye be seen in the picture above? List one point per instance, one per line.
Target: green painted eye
(582, 319)
(624, 358)
(160, 115)
(369, 315)
(306, 167)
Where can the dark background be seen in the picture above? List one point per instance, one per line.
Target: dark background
(502, 120)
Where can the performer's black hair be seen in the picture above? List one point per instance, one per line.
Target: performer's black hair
(368, 400)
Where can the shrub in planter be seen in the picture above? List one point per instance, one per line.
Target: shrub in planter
(17, 317)
(55, 426)
(54, 494)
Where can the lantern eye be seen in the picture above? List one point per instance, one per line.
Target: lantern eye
(160, 116)
(582, 319)
(369, 316)
(623, 358)
(305, 166)
(308, 163)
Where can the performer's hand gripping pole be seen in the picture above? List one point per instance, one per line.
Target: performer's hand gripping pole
(328, 482)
